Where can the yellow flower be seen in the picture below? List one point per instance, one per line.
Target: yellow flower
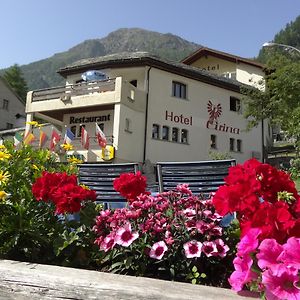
(4, 176)
(35, 167)
(67, 147)
(33, 123)
(2, 147)
(85, 187)
(74, 160)
(4, 155)
(3, 196)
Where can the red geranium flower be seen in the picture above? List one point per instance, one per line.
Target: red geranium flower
(130, 185)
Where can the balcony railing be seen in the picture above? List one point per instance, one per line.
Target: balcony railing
(68, 91)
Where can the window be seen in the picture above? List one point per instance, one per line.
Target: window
(230, 75)
(134, 82)
(165, 133)
(9, 126)
(239, 145)
(184, 136)
(235, 104)
(101, 126)
(79, 132)
(178, 90)
(155, 131)
(5, 104)
(175, 134)
(73, 130)
(213, 141)
(128, 125)
(231, 144)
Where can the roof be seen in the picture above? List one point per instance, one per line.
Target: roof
(11, 90)
(134, 59)
(204, 51)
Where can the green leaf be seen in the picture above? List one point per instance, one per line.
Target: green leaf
(115, 265)
(194, 269)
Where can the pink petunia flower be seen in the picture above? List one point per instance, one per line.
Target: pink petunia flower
(269, 250)
(124, 236)
(202, 226)
(158, 250)
(192, 249)
(184, 188)
(249, 242)
(108, 243)
(221, 247)
(189, 212)
(281, 284)
(215, 230)
(291, 253)
(242, 273)
(209, 248)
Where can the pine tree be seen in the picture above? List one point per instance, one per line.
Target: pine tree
(14, 77)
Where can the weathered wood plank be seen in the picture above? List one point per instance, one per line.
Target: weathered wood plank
(20, 281)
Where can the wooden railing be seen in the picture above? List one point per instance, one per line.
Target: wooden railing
(66, 92)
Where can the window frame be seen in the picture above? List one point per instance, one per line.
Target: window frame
(235, 104)
(156, 132)
(231, 144)
(182, 132)
(5, 104)
(128, 125)
(213, 141)
(165, 137)
(179, 90)
(175, 135)
(239, 147)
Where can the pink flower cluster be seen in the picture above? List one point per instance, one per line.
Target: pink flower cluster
(169, 222)
(277, 266)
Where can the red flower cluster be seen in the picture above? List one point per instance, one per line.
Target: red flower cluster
(130, 185)
(63, 190)
(263, 197)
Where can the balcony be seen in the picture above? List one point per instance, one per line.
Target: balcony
(74, 96)
(85, 96)
(66, 92)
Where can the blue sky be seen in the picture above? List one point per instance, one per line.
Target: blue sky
(33, 30)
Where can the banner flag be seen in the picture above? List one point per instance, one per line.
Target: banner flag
(55, 138)
(100, 137)
(43, 138)
(29, 138)
(18, 138)
(69, 137)
(85, 138)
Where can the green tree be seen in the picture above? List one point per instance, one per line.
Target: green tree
(15, 79)
(280, 102)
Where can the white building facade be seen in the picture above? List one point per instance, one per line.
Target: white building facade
(12, 110)
(150, 109)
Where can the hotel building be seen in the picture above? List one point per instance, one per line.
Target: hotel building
(156, 110)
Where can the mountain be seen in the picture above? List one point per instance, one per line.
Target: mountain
(42, 73)
(290, 35)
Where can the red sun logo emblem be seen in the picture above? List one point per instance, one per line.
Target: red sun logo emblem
(214, 111)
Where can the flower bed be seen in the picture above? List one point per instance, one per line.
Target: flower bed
(47, 217)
